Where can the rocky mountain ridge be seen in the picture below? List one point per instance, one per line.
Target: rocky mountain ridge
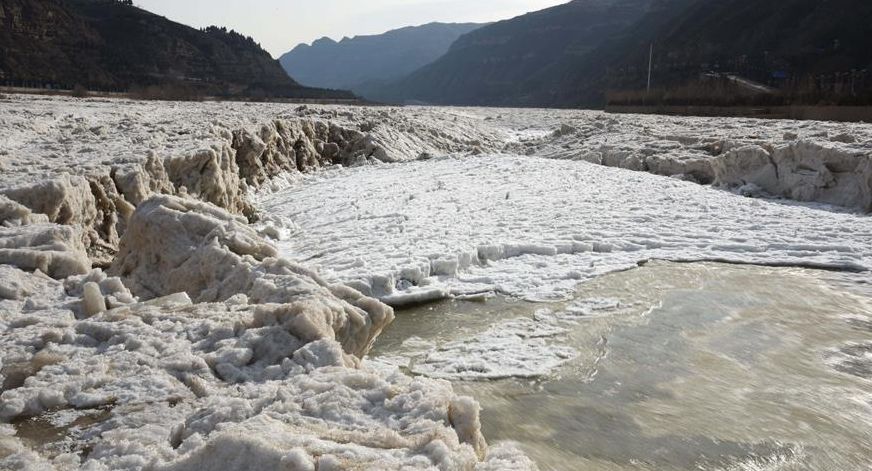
(110, 45)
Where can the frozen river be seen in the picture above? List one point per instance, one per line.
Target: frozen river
(190, 286)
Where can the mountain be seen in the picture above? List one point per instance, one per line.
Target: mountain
(808, 50)
(111, 45)
(362, 62)
(705, 51)
(505, 63)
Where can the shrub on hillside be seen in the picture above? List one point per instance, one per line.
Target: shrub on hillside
(79, 91)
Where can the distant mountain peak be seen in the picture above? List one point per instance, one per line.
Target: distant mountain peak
(361, 62)
(323, 41)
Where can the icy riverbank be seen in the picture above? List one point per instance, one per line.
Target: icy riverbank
(206, 345)
(202, 350)
(808, 161)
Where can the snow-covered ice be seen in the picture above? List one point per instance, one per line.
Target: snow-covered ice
(198, 349)
(519, 348)
(535, 227)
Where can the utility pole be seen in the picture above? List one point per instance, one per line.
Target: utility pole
(650, 66)
(853, 81)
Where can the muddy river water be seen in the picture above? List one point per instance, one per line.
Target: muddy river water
(678, 367)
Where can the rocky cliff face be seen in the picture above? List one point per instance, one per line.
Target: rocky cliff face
(108, 45)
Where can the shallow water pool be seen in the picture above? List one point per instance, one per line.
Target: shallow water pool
(673, 367)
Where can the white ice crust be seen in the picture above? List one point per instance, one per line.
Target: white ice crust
(525, 347)
(534, 227)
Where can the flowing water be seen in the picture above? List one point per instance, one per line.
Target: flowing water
(687, 367)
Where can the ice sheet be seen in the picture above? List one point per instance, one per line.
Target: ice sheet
(535, 227)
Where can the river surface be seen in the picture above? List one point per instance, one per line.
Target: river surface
(680, 367)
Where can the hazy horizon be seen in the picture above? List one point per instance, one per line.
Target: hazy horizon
(280, 25)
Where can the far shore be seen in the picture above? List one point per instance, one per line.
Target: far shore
(816, 113)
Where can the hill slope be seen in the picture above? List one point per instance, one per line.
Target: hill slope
(361, 62)
(498, 64)
(806, 49)
(111, 45)
(810, 51)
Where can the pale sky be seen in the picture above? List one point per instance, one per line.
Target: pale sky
(279, 25)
